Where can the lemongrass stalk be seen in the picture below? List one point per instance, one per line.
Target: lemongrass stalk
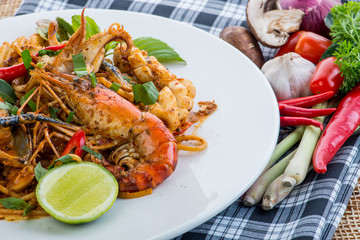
(256, 192)
(283, 146)
(297, 169)
(275, 193)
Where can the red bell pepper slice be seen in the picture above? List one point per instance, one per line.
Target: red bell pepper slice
(77, 141)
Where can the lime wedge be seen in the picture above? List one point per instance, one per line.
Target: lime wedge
(77, 192)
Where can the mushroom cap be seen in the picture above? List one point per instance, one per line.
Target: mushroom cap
(270, 24)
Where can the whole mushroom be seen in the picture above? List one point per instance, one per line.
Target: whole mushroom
(243, 40)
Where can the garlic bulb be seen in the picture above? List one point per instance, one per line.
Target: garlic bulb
(289, 75)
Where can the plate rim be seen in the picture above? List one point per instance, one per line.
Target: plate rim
(190, 224)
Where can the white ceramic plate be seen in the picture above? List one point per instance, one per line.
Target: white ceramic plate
(241, 136)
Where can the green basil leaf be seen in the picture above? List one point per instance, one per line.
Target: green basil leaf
(26, 58)
(61, 34)
(53, 112)
(70, 117)
(17, 203)
(42, 28)
(110, 46)
(5, 105)
(28, 209)
(65, 25)
(79, 65)
(330, 51)
(42, 32)
(39, 171)
(158, 49)
(145, 93)
(115, 86)
(50, 53)
(7, 92)
(64, 159)
(91, 27)
(93, 79)
(13, 203)
(92, 152)
(30, 103)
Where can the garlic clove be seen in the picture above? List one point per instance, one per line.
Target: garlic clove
(289, 75)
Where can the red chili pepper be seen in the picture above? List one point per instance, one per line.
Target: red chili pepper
(308, 101)
(290, 44)
(286, 121)
(326, 77)
(342, 124)
(294, 111)
(10, 73)
(77, 141)
(311, 46)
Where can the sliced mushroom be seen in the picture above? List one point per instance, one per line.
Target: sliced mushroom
(270, 24)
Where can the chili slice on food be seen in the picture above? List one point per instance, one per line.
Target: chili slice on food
(10, 73)
(77, 141)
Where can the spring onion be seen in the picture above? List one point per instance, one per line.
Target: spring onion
(79, 65)
(26, 58)
(93, 79)
(115, 86)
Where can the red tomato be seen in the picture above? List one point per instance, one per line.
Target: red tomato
(326, 77)
(311, 46)
(290, 44)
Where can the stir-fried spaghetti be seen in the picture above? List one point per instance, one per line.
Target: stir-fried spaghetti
(59, 110)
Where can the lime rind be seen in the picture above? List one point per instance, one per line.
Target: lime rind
(105, 184)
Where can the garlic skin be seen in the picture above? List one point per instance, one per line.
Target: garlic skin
(289, 75)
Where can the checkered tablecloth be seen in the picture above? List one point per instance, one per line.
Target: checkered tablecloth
(314, 209)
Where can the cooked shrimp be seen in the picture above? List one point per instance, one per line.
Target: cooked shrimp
(104, 112)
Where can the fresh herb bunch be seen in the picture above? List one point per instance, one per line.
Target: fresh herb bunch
(345, 31)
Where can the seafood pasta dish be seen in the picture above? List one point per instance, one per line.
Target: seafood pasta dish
(64, 97)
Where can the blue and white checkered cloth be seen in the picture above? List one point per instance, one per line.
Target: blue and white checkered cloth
(314, 209)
